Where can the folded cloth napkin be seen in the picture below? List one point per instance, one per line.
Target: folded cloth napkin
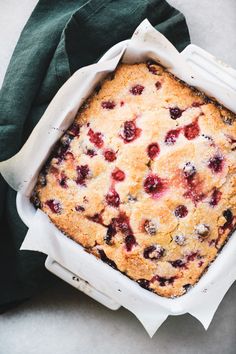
(60, 37)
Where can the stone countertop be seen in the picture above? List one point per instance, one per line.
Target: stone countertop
(65, 321)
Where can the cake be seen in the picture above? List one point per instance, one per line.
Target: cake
(145, 178)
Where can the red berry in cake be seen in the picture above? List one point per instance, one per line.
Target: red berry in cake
(137, 90)
(153, 184)
(108, 104)
(79, 208)
(130, 131)
(113, 198)
(179, 263)
(189, 170)
(215, 197)
(95, 138)
(109, 155)
(163, 281)
(122, 103)
(216, 163)
(118, 175)
(158, 85)
(74, 129)
(107, 260)
(175, 112)
(172, 136)
(181, 211)
(54, 206)
(202, 230)
(111, 231)
(192, 256)
(153, 252)
(151, 65)
(130, 241)
(153, 150)
(197, 104)
(83, 173)
(144, 283)
(228, 215)
(63, 180)
(192, 130)
(150, 227)
(91, 152)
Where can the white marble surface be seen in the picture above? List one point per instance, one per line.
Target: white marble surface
(64, 321)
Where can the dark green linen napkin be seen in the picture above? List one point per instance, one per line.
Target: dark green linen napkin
(60, 37)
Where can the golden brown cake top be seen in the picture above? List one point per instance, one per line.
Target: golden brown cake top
(145, 178)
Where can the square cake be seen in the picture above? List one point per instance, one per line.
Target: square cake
(145, 178)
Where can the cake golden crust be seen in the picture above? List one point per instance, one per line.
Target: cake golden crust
(145, 178)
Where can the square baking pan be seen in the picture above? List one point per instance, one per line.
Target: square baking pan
(216, 72)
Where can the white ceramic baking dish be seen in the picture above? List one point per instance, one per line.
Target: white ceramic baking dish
(217, 72)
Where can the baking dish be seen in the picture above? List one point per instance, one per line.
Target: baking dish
(202, 300)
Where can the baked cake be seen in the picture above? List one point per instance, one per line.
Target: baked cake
(145, 178)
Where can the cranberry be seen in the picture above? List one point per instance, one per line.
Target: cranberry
(192, 130)
(144, 283)
(96, 218)
(79, 208)
(216, 163)
(150, 227)
(163, 281)
(130, 241)
(151, 65)
(54, 205)
(181, 211)
(122, 103)
(187, 287)
(153, 252)
(109, 155)
(63, 181)
(153, 184)
(172, 136)
(189, 170)
(82, 174)
(95, 138)
(111, 231)
(175, 112)
(118, 175)
(130, 131)
(191, 256)
(197, 104)
(228, 215)
(113, 198)
(74, 129)
(215, 197)
(108, 104)
(179, 263)
(107, 260)
(158, 85)
(153, 150)
(137, 90)
(60, 154)
(91, 152)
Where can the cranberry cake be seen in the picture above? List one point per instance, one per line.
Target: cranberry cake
(145, 178)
